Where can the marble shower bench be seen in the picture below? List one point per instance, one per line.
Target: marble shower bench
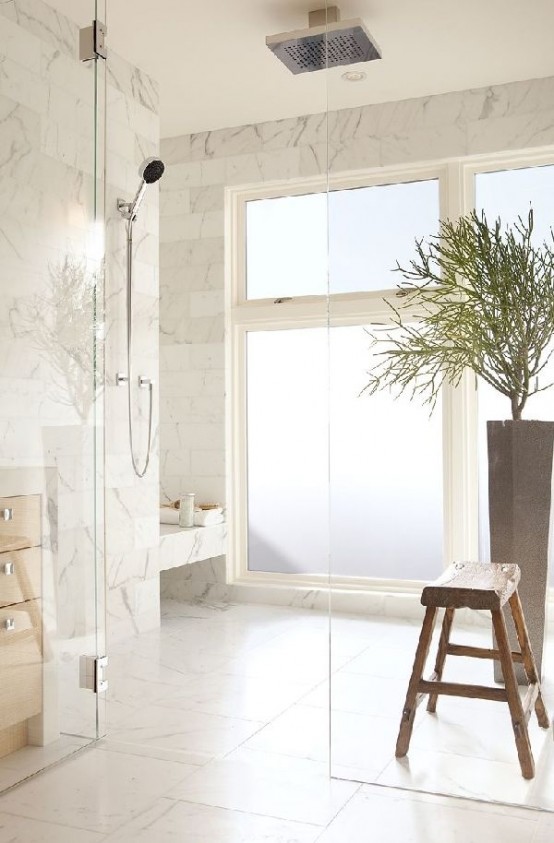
(183, 546)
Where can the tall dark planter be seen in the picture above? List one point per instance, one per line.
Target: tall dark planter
(520, 488)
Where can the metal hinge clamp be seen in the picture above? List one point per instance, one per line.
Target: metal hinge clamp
(93, 673)
(92, 42)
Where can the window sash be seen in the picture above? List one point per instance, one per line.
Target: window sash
(460, 451)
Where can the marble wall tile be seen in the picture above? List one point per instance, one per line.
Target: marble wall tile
(500, 117)
(44, 22)
(46, 165)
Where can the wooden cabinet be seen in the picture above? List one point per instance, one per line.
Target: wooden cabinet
(20, 619)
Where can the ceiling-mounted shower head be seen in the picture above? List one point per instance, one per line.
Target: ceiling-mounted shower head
(151, 170)
(328, 42)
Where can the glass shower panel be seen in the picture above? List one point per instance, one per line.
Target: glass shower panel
(400, 478)
(51, 409)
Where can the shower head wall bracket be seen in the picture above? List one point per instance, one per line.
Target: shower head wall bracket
(125, 208)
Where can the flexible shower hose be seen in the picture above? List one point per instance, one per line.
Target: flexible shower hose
(138, 472)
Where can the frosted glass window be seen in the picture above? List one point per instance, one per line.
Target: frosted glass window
(356, 235)
(386, 473)
(386, 463)
(288, 451)
(508, 194)
(371, 228)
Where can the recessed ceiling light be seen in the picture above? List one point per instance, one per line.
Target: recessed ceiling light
(354, 76)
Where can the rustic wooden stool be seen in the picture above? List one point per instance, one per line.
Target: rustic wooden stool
(474, 585)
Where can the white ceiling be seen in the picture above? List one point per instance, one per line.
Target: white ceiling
(215, 71)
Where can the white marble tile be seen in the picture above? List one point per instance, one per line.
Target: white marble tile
(477, 778)
(184, 730)
(247, 698)
(415, 818)
(183, 547)
(30, 759)
(360, 746)
(272, 785)
(545, 830)
(360, 694)
(170, 821)
(190, 761)
(96, 791)
(15, 829)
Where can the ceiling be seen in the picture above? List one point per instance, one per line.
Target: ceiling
(215, 71)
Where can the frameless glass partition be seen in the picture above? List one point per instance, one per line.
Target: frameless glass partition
(52, 626)
(409, 481)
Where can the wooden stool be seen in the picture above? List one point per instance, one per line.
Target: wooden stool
(474, 585)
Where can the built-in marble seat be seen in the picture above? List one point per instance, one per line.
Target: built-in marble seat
(183, 546)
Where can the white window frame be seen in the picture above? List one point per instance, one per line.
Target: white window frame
(456, 179)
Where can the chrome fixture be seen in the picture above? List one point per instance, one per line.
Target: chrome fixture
(92, 42)
(327, 42)
(9, 569)
(9, 624)
(6, 514)
(93, 673)
(150, 172)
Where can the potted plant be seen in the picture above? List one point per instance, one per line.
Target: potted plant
(481, 297)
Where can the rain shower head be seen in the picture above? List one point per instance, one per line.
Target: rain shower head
(328, 42)
(151, 170)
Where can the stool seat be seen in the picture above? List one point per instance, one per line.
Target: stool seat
(476, 585)
(473, 585)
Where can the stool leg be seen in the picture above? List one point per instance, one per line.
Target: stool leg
(409, 710)
(528, 657)
(441, 655)
(519, 723)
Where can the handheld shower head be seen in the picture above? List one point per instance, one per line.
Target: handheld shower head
(151, 170)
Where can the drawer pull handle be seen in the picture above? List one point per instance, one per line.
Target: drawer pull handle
(6, 514)
(9, 624)
(9, 569)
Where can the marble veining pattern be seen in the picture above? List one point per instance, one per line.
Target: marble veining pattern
(506, 117)
(220, 734)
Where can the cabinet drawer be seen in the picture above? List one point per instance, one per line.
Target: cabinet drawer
(20, 576)
(20, 519)
(20, 663)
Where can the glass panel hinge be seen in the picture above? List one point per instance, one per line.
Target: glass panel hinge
(92, 42)
(93, 671)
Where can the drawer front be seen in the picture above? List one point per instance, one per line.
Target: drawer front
(20, 576)
(20, 517)
(20, 663)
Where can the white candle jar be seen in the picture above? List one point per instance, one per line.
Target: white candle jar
(186, 510)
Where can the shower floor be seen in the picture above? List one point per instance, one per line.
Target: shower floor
(219, 732)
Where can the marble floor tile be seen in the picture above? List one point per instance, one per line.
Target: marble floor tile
(190, 759)
(297, 656)
(245, 697)
(474, 728)
(30, 759)
(184, 730)
(360, 746)
(416, 818)
(228, 638)
(95, 791)
(170, 821)
(22, 830)
(272, 785)
(476, 778)
(545, 829)
(360, 694)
